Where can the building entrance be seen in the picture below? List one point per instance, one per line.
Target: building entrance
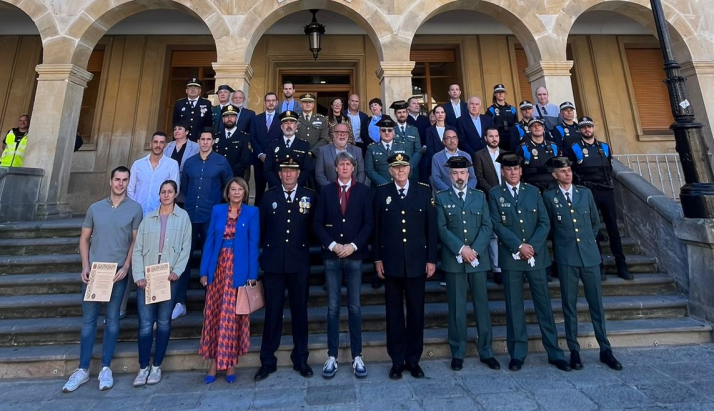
(325, 84)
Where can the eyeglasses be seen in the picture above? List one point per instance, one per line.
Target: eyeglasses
(341, 133)
(386, 130)
(450, 138)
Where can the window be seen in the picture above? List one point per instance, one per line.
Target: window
(650, 93)
(91, 93)
(433, 72)
(184, 65)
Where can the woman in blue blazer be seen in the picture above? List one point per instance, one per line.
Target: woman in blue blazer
(230, 259)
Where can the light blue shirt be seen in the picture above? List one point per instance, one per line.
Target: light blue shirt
(373, 129)
(356, 125)
(477, 124)
(287, 106)
(145, 181)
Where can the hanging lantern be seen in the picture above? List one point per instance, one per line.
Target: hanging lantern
(314, 32)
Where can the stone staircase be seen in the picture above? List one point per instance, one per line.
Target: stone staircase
(40, 311)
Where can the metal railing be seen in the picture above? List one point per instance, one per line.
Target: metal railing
(661, 170)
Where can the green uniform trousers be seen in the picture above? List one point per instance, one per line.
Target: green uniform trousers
(516, 332)
(569, 278)
(456, 288)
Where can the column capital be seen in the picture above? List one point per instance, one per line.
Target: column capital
(234, 71)
(395, 69)
(548, 68)
(63, 72)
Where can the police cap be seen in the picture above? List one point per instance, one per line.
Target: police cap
(224, 87)
(229, 110)
(558, 162)
(586, 121)
(508, 159)
(288, 115)
(399, 159)
(399, 105)
(194, 82)
(458, 162)
(386, 121)
(567, 105)
(525, 104)
(307, 97)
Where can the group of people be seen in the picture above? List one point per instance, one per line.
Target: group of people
(491, 189)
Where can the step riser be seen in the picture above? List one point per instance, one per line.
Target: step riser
(41, 249)
(55, 233)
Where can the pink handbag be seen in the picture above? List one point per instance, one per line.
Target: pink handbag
(249, 298)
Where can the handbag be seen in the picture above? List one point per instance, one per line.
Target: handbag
(249, 298)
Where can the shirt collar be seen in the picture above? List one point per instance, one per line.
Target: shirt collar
(406, 187)
(496, 151)
(510, 187)
(349, 184)
(457, 191)
(562, 190)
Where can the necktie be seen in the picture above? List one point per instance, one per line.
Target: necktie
(402, 129)
(461, 195)
(389, 149)
(193, 103)
(515, 193)
(401, 193)
(269, 120)
(343, 199)
(567, 198)
(545, 111)
(289, 197)
(287, 143)
(228, 134)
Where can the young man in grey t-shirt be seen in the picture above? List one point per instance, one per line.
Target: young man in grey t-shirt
(108, 235)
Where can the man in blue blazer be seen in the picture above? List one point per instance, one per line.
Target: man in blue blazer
(285, 220)
(360, 123)
(455, 108)
(267, 129)
(472, 127)
(343, 224)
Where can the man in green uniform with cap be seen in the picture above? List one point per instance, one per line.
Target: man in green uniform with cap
(576, 223)
(465, 228)
(375, 162)
(521, 223)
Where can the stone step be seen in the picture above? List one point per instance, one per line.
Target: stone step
(38, 331)
(69, 303)
(35, 246)
(61, 360)
(33, 284)
(42, 229)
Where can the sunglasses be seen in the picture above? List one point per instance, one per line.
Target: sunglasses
(386, 130)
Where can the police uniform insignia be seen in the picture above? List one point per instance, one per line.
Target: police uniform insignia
(567, 131)
(585, 152)
(498, 111)
(275, 205)
(277, 149)
(535, 152)
(217, 140)
(399, 157)
(304, 205)
(433, 203)
(555, 200)
(502, 200)
(183, 108)
(389, 200)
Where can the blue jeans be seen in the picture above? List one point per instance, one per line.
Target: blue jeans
(90, 315)
(160, 313)
(352, 270)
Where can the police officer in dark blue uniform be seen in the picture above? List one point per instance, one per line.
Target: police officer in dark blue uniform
(503, 115)
(567, 131)
(287, 146)
(535, 152)
(285, 223)
(231, 143)
(520, 129)
(195, 110)
(592, 165)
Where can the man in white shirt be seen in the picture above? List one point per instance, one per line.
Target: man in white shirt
(455, 107)
(148, 173)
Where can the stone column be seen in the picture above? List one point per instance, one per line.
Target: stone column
(700, 76)
(698, 235)
(58, 99)
(555, 76)
(236, 75)
(395, 77)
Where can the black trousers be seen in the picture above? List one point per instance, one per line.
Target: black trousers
(274, 285)
(605, 202)
(260, 182)
(405, 339)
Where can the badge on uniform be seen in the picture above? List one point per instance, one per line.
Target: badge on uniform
(217, 140)
(389, 200)
(304, 205)
(502, 200)
(498, 111)
(277, 149)
(275, 205)
(555, 200)
(183, 108)
(585, 152)
(567, 131)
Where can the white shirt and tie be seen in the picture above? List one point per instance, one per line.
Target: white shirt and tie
(457, 108)
(568, 194)
(514, 190)
(229, 133)
(402, 190)
(289, 194)
(388, 146)
(288, 141)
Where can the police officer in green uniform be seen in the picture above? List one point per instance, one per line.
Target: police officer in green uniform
(521, 223)
(375, 162)
(575, 221)
(465, 228)
(408, 134)
(312, 127)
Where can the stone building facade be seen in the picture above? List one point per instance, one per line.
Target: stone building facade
(113, 67)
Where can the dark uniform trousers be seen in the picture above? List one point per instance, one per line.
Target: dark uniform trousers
(605, 202)
(405, 240)
(574, 228)
(286, 265)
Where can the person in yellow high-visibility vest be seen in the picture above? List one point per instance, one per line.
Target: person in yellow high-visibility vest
(15, 144)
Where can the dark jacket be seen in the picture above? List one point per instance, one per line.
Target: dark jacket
(235, 149)
(433, 144)
(198, 118)
(260, 138)
(486, 177)
(363, 126)
(299, 150)
(451, 116)
(469, 138)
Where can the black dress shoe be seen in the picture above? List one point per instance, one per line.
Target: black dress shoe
(304, 370)
(608, 359)
(515, 365)
(492, 363)
(415, 370)
(562, 365)
(377, 282)
(575, 362)
(623, 272)
(263, 373)
(457, 364)
(498, 278)
(395, 373)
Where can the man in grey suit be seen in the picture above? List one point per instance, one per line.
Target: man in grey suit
(325, 172)
(440, 173)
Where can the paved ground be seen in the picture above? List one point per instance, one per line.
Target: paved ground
(658, 378)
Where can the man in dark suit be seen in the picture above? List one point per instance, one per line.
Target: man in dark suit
(404, 257)
(232, 143)
(194, 110)
(455, 108)
(471, 127)
(287, 146)
(267, 129)
(286, 218)
(421, 122)
(360, 123)
(224, 98)
(343, 224)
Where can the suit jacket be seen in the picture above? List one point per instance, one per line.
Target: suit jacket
(299, 150)
(441, 175)
(198, 117)
(245, 244)
(469, 138)
(433, 144)
(363, 126)
(355, 226)
(421, 123)
(571, 247)
(297, 107)
(451, 115)
(285, 230)
(263, 135)
(404, 230)
(325, 172)
(518, 222)
(486, 176)
(463, 223)
(235, 149)
(191, 150)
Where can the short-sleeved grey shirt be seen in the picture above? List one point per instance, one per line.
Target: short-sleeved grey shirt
(112, 229)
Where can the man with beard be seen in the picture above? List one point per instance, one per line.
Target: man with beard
(232, 143)
(535, 152)
(409, 135)
(224, 98)
(465, 228)
(288, 146)
(148, 173)
(520, 130)
(440, 171)
(289, 103)
(312, 127)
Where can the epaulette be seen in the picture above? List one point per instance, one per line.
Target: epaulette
(182, 98)
(300, 139)
(550, 189)
(271, 188)
(385, 184)
(424, 184)
(476, 189)
(308, 189)
(442, 191)
(372, 143)
(579, 186)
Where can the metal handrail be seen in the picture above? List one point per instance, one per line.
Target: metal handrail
(661, 170)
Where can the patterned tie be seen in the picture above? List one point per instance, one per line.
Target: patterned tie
(567, 198)
(287, 143)
(515, 193)
(343, 199)
(401, 193)
(289, 197)
(228, 134)
(461, 196)
(193, 103)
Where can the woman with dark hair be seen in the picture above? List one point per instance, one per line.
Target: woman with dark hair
(229, 261)
(336, 117)
(375, 107)
(503, 115)
(435, 135)
(164, 236)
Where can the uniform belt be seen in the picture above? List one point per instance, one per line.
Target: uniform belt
(227, 243)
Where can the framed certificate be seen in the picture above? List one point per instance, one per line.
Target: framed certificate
(158, 286)
(101, 282)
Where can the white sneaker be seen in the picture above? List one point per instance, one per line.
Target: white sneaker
(78, 377)
(154, 376)
(141, 377)
(106, 380)
(358, 367)
(179, 311)
(330, 368)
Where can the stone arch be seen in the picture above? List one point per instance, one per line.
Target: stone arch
(265, 13)
(88, 27)
(517, 15)
(40, 14)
